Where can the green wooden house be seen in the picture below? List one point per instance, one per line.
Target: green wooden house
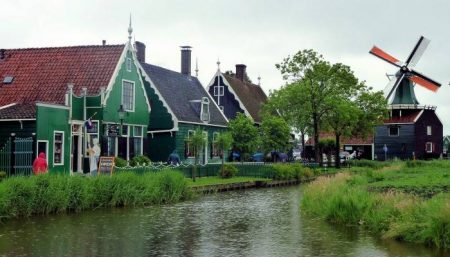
(180, 104)
(61, 98)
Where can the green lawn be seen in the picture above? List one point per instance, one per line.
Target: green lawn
(204, 181)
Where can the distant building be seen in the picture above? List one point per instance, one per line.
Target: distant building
(180, 105)
(234, 93)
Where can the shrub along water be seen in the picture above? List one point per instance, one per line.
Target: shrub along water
(43, 194)
(345, 199)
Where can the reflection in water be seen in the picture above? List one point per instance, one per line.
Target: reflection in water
(243, 223)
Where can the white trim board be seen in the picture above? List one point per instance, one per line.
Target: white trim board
(7, 106)
(203, 124)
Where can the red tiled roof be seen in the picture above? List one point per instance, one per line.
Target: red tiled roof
(344, 140)
(42, 74)
(251, 95)
(410, 118)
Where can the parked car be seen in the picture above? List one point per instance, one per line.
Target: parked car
(258, 157)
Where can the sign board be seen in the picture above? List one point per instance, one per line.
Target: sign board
(106, 165)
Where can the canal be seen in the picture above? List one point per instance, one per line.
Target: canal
(263, 222)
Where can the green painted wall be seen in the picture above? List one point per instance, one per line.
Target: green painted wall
(77, 108)
(140, 116)
(161, 145)
(50, 120)
(160, 117)
(183, 132)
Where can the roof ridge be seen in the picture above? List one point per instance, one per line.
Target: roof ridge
(60, 47)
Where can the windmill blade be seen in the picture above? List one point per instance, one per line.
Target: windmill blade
(417, 52)
(389, 85)
(394, 87)
(424, 81)
(385, 56)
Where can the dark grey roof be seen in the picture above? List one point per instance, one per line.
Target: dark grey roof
(179, 91)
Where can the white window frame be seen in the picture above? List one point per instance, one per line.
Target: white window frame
(134, 95)
(128, 64)
(46, 148)
(141, 152)
(188, 144)
(214, 141)
(205, 101)
(88, 137)
(218, 90)
(391, 135)
(62, 148)
(429, 131)
(431, 147)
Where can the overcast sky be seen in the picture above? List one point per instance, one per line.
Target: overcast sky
(256, 33)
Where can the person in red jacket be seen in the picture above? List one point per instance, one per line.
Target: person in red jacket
(40, 164)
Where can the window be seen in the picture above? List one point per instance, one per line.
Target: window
(91, 133)
(189, 147)
(428, 130)
(218, 91)
(429, 147)
(393, 131)
(128, 64)
(215, 150)
(137, 140)
(58, 148)
(8, 79)
(128, 96)
(125, 131)
(204, 113)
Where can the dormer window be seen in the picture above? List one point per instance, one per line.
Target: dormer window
(218, 91)
(204, 113)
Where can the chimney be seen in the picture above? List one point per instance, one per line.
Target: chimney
(103, 42)
(140, 51)
(2, 54)
(240, 71)
(186, 60)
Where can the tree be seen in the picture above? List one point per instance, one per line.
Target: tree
(275, 133)
(327, 96)
(224, 142)
(197, 141)
(285, 102)
(245, 135)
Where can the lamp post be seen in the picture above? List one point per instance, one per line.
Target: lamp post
(121, 112)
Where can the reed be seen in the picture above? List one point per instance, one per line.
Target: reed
(44, 194)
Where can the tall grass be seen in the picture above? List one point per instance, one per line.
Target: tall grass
(344, 199)
(43, 194)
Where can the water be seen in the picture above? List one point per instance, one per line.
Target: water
(264, 222)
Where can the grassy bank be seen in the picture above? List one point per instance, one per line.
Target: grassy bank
(207, 181)
(44, 194)
(388, 200)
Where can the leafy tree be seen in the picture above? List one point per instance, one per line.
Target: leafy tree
(245, 135)
(275, 133)
(224, 142)
(327, 96)
(197, 140)
(285, 102)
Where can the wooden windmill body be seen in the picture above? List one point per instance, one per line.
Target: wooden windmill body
(412, 130)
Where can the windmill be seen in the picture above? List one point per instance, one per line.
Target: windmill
(402, 85)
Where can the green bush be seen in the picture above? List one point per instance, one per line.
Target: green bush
(228, 171)
(284, 171)
(140, 160)
(119, 162)
(2, 175)
(43, 194)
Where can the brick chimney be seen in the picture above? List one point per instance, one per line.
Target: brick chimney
(140, 51)
(2, 54)
(186, 60)
(240, 71)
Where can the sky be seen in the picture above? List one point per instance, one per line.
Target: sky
(256, 33)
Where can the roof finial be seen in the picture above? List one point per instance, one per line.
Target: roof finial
(259, 80)
(130, 30)
(218, 64)
(196, 67)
